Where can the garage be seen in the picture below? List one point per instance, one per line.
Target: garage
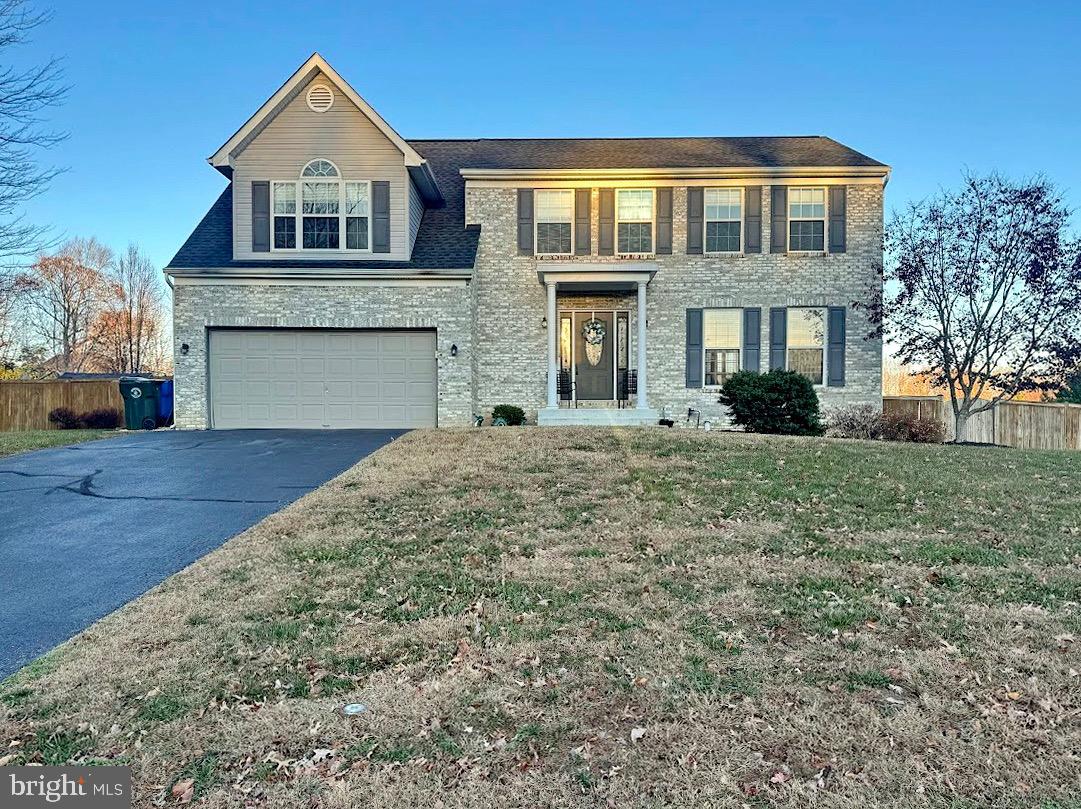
(318, 379)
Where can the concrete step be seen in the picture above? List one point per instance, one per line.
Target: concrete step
(626, 417)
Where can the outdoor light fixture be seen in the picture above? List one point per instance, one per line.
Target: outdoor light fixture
(454, 350)
(184, 348)
(544, 322)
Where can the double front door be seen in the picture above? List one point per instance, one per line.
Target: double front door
(593, 349)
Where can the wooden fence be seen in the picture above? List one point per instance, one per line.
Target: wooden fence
(25, 405)
(1025, 425)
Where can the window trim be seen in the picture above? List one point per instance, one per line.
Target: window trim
(652, 222)
(742, 222)
(537, 223)
(739, 348)
(789, 219)
(825, 310)
(298, 213)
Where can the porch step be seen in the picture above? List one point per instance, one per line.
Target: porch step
(624, 417)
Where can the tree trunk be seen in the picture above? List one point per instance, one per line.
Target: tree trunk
(960, 427)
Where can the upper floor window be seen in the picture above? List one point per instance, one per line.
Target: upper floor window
(634, 221)
(555, 220)
(807, 219)
(806, 342)
(724, 219)
(326, 206)
(721, 344)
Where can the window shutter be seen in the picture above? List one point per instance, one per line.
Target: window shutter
(525, 221)
(694, 348)
(778, 338)
(381, 216)
(837, 219)
(664, 221)
(606, 222)
(752, 222)
(752, 339)
(778, 219)
(694, 221)
(836, 361)
(582, 204)
(260, 216)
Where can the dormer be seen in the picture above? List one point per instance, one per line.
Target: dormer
(317, 174)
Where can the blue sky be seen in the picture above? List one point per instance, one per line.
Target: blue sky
(928, 88)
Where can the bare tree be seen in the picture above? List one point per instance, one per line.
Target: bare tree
(984, 290)
(24, 95)
(64, 296)
(131, 325)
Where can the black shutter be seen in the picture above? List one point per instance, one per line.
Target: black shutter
(694, 348)
(664, 221)
(694, 221)
(606, 222)
(778, 338)
(836, 360)
(381, 216)
(582, 204)
(752, 222)
(752, 339)
(525, 221)
(260, 216)
(778, 219)
(837, 219)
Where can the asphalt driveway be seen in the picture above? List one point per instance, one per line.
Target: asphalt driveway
(86, 528)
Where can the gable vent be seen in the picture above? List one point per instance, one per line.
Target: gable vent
(320, 99)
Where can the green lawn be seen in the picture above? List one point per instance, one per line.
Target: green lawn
(588, 617)
(11, 443)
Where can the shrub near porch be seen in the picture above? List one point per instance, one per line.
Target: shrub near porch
(552, 617)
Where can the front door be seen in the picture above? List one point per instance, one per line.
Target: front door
(594, 336)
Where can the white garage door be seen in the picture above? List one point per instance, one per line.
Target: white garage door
(307, 378)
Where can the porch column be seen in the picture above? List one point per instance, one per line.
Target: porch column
(643, 402)
(553, 330)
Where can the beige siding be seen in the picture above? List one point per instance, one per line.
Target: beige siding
(416, 213)
(343, 135)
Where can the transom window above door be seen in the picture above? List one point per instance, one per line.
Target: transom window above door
(807, 219)
(634, 221)
(555, 221)
(326, 207)
(724, 219)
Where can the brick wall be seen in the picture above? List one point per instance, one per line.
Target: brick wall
(444, 308)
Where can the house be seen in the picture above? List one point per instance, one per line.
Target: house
(347, 277)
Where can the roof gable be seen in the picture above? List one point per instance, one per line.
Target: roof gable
(315, 65)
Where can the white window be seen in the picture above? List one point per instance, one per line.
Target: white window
(724, 219)
(806, 343)
(326, 207)
(555, 221)
(285, 216)
(634, 221)
(722, 341)
(807, 219)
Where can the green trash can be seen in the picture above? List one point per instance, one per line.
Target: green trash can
(140, 403)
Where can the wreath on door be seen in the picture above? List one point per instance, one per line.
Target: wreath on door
(594, 332)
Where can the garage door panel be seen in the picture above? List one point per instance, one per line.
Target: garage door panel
(312, 379)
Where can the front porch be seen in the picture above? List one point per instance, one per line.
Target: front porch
(597, 334)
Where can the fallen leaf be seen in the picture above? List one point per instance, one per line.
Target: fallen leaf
(184, 790)
(637, 733)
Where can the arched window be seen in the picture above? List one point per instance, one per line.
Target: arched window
(326, 207)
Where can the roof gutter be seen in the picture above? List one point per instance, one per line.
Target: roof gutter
(686, 173)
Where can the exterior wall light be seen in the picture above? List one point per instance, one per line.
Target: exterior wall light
(184, 349)
(454, 350)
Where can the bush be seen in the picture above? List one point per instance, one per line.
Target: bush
(906, 427)
(780, 402)
(511, 414)
(857, 421)
(65, 419)
(105, 418)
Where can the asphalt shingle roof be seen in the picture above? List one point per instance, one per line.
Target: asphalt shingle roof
(445, 243)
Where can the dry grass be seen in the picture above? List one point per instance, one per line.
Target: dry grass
(26, 440)
(632, 618)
